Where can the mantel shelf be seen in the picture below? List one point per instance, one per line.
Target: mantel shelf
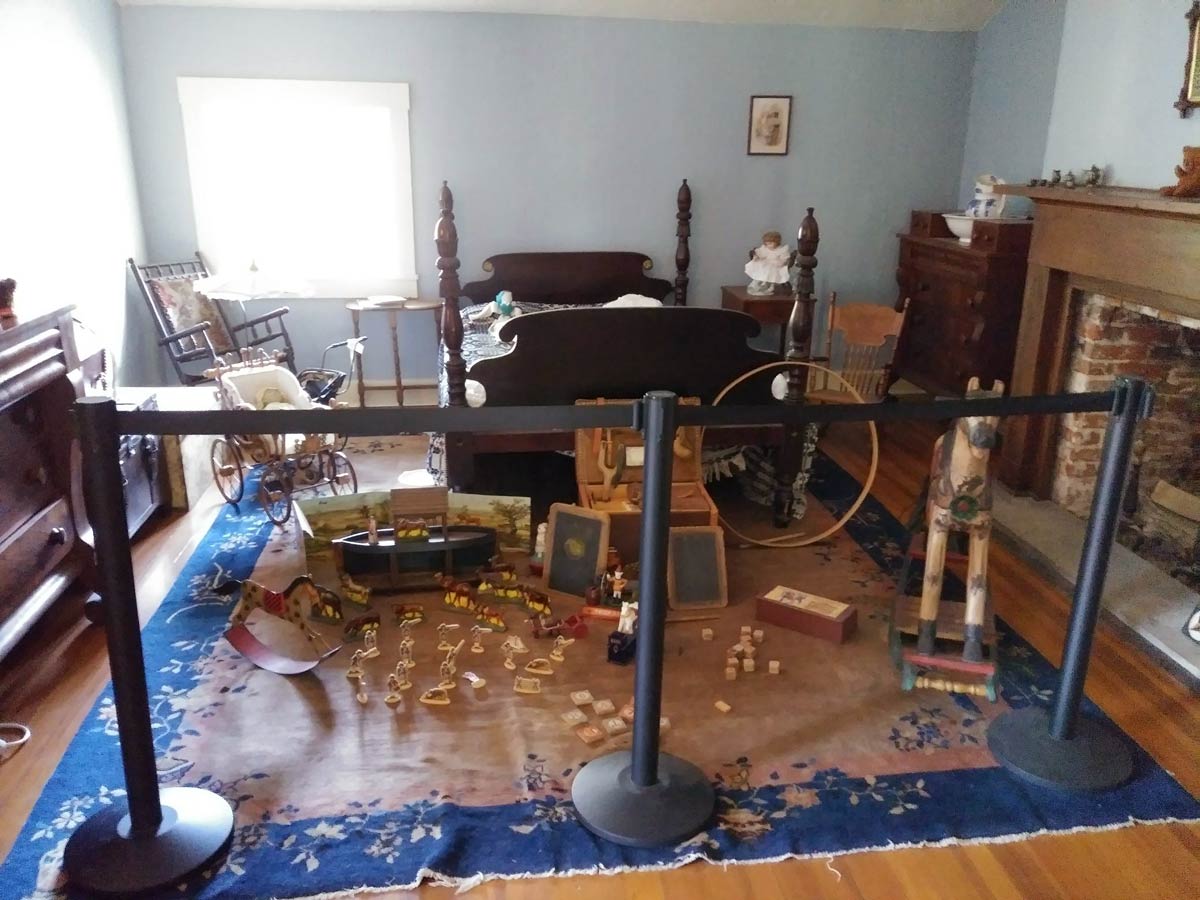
(1138, 200)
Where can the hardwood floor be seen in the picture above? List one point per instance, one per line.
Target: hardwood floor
(53, 678)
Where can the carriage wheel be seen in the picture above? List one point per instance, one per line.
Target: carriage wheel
(228, 471)
(340, 471)
(275, 493)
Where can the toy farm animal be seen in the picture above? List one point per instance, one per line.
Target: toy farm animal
(356, 629)
(411, 530)
(355, 592)
(960, 499)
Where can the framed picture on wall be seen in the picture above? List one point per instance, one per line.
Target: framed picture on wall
(770, 120)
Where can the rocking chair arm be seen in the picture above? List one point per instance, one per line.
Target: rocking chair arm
(263, 319)
(191, 331)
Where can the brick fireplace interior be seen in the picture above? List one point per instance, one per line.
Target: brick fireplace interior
(1112, 336)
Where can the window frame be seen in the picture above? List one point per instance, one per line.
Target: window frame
(197, 92)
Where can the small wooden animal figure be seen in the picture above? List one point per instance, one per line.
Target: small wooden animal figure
(356, 629)
(1093, 176)
(436, 697)
(459, 596)
(355, 669)
(960, 499)
(539, 666)
(394, 690)
(476, 639)
(354, 592)
(288, 604)
(497, 571)
(326, 607)
(490, 619)
(411, 530)
(1188, 174)
(408, 614)
(443, 632)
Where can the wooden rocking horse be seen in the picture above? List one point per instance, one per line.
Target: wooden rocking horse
(960, 499)
(291, 604)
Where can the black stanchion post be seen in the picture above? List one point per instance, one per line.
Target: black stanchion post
(644, 798)
(156, 838)
(1063, 750)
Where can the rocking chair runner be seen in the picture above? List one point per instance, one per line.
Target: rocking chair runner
(194, 328)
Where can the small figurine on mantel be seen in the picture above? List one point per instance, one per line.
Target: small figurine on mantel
(769, 265)
(1188, 174)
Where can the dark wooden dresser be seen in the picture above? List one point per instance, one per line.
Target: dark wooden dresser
(964, 301)
(42, 522)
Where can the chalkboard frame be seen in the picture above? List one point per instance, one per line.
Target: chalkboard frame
(720, 590)
(561, 514)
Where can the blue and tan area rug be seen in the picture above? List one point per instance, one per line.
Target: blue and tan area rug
(828, 757)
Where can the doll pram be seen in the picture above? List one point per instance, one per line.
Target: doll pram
(291, 462)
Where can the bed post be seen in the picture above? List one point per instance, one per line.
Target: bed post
(683, 231)
(446, 236)
(799, 332)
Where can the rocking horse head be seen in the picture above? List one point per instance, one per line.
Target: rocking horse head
(980, 431)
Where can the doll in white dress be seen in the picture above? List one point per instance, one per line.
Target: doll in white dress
(768, 264)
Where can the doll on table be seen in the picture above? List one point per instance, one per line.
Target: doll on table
(769, 265)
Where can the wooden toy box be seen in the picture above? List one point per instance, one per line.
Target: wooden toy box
(830, 620)
(690, 503)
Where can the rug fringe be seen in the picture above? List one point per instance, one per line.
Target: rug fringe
(464, 883)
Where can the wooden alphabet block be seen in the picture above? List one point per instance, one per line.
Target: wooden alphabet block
(773, 666)
(722, 706)
(758, 635)
(731, 673)
(706, 634)
(747, 665)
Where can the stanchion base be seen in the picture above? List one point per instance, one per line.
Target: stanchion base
(103, 858)
(612, 806)
(1095, 759)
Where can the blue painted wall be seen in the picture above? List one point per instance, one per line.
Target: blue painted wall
(1119, 71)
(1012, 91)
(70, 212)
(562, 133)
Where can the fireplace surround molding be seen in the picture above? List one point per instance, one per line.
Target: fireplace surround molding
(1124, 243)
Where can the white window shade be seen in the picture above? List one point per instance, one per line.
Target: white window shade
(309, 179)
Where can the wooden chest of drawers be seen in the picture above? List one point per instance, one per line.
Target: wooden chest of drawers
(964, 301)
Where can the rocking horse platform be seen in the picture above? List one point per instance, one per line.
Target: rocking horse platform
(245, 642)
(906, 614)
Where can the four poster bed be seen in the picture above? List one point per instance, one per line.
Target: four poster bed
(567, 346)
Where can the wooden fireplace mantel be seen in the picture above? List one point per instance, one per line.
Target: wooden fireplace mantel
(1126, 243)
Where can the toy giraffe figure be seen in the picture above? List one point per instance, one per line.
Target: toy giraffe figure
(960, 499)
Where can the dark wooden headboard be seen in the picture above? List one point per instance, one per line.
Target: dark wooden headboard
(584, 278)
(561, 356)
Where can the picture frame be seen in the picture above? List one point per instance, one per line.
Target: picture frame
(576, 548)
(768, 132)
(1189, 94)
(696, 576)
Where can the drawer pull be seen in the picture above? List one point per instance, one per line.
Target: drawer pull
(57, 536)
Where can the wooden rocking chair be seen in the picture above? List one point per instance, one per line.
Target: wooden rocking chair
(866, 353)
(195, 330)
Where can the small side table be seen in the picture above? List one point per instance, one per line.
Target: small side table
(767, 309)
(393, 308)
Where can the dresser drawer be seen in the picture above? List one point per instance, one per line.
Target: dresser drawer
(30, 554)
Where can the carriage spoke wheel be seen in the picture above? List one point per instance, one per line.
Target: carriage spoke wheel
(340, 471)
(275, 493)
(228, 471)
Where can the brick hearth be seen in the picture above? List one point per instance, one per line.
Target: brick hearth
(1114, 336)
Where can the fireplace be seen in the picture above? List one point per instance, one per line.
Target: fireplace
(1112, 336)
(1112, 288)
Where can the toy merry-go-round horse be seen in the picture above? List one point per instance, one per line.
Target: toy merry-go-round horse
(290, 605)
(960, 499)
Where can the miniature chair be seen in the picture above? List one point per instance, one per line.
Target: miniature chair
(868, 336)
(194, 329)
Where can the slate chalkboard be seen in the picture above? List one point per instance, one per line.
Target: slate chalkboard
(696, 568)
(576, 548)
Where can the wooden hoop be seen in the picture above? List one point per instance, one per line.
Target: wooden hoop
(790, 542)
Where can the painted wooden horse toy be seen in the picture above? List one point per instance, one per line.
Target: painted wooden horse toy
(960, 499)
(290, 604)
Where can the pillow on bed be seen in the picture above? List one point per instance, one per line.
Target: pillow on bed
(634, 300)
